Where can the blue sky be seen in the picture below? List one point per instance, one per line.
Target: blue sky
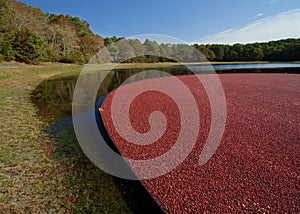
(205, 21)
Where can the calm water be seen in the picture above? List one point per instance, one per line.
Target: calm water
(53, 97)
(245, 67)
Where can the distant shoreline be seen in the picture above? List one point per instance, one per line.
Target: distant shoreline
(13, 64)
(166, 64)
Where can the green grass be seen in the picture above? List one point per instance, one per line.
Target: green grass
(33, 177)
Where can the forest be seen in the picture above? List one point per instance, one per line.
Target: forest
(280, 50)
(31, 36)
(28, 35)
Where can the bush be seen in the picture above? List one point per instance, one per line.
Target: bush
(67, 59)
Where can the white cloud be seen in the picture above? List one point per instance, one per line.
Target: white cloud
(256, 16)
(259, 14)
(280, 26)
(273, 1)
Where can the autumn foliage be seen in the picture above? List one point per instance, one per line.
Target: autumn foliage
(31, 36)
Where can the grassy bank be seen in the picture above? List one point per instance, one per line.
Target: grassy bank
(39, 172)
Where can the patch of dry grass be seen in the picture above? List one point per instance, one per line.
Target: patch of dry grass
(36, 175)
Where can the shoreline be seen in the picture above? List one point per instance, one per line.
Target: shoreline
(14, 64)
(167, 64)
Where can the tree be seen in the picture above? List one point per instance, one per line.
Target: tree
(137, 46)
(62, 44)
(291, 53)
(29, 47)
(152, 47)
(251, 53)
(8, 26)
(125, 50)
(218, 51)
(209, 54)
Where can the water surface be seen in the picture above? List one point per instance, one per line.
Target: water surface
(53, 97)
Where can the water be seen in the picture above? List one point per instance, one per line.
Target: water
(259, 66)
(53, 97)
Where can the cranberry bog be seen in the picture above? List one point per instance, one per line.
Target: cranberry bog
(256, 166)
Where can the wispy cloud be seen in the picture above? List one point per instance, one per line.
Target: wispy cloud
(273, 1)
(257, 16)
(283, 25)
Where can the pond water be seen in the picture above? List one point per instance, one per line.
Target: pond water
(256, 67)
(53, 97)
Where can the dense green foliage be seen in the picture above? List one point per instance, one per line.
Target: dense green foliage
(31, 36)
(281, 50)
(29, 48)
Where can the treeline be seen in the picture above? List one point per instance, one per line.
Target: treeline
(133, 51)
(280, 50)
(31, 36)
(121, 50)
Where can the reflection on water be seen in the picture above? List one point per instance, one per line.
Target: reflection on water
(54, 97)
